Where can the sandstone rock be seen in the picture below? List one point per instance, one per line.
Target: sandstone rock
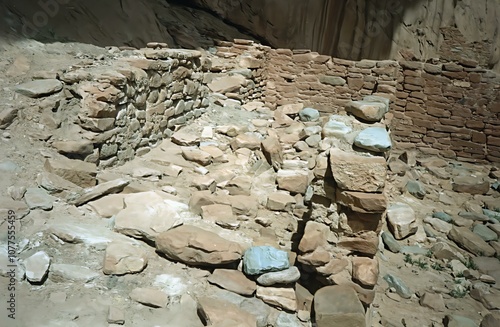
(273, 151)
(338, 306)
(287, 276)
(362, 202)
(240, 185)
(401, 219)
(217, 312)
(196, 246)
(248, 141)
(185, 138)
(364, 242)
(123, 258)
(150, 297)
(281, 297)
(147, 214)
(319, 257)
(204, 183)
(71, 273)
(37, 198)
(469, 184)
(374, 139)
(196, 155)
(108, 206)
(232, 280)
(365, 271)
(280, 201)
(357, 173)
(16, 192)
(332, 80)
(443, 216)
(227, 84)
(433, 301)
(438, 224)
(115, 316)
(97, 191)
(315, 235)
(294, 181)
(470, 241)
(491, 320)
(78, 172)
(39, 88)
(7, 116)
(262, 259)
(218, 213)
(369, 111)
(244, 205)
(309, 114)
(81, 147)
(37, 267)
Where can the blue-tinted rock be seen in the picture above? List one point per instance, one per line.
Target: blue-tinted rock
(443, 216)
(335, 128)
(374, 139)
(485, 233)
(398, 285)
(390, 242)
(416, 189)
(261, 259)
(492, 214)
(309, 114)
(414, 249)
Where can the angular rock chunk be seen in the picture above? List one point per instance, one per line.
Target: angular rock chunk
(262, 259)
(37, 267)
(71, 273)
(401, 218)
(105, 188)
(216, 312)
(273, 151)
(374, 139)
(369, 111)
(281, 297)
(287, 276)
(362, 202)
(150, 297)
(196, 246)
(123, 258)
(78, 172)
(294, 181)
(232, 280)
(358, 173)
(37, 198)
(471, 241)
(338, 306)
(469, 184)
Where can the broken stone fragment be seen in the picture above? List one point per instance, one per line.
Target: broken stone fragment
(37, 267)
(150, 297)
(374, 139)
(39, 88)
(402, 220)
(281, 297)
(261, 259)
(124, 258)
(195, 246)
(369, 111)
(218, 312)
(338, 306)
(232, 280)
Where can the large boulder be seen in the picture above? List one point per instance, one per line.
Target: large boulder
(195, 246)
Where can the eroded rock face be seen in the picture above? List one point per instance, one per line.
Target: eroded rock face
(364, 29)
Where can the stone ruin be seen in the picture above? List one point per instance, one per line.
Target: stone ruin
(336, 128)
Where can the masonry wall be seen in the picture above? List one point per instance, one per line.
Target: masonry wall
(446, 108)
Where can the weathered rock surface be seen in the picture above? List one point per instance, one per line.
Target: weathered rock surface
(356, 173)
(71, 273)
(196, 246)
(123, 258)
(39, 88)
(401, 218)
(281, 297)
(287, 276)
(78, 172)
(262, 259)
(338, 306)
(217, 312)
(471, 241)
(37, 267)
(369, 111)
(150, 297)
(233, 280)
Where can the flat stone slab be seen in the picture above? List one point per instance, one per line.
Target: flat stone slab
(39, 88)
(71, 273)
(233, 280)
(287, 276)
(37, 198)
(367, 110)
